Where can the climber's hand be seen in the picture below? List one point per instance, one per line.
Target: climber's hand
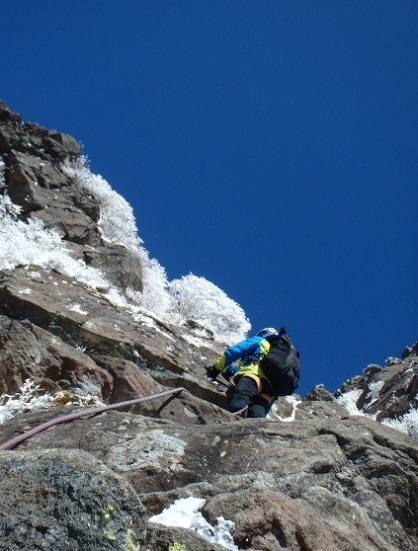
(212, 372)
(229, 372)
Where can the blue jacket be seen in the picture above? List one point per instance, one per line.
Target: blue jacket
(249, 353)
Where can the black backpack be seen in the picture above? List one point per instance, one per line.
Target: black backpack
(281, 365)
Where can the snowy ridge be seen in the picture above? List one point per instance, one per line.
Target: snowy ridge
(374, 392)
(29, 243)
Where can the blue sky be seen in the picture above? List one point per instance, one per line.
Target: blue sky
(269, 146)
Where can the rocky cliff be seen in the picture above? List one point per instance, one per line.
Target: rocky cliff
(323, 473)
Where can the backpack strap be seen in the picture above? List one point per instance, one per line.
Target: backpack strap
(266, 397)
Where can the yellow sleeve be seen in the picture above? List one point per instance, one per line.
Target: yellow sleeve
(220, 363)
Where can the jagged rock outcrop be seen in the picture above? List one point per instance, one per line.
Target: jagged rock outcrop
(387, 392)
(309, 478)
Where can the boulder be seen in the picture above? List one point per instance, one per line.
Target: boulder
(66, 499)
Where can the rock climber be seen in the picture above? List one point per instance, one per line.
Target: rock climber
(252, 389)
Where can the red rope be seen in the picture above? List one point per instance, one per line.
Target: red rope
(10, 444)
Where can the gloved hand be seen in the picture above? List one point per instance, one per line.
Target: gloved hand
(212, 372)
(229, 372)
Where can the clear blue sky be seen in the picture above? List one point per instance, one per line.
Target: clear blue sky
(269, 146)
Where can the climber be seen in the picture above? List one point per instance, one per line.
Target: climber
(253, 389)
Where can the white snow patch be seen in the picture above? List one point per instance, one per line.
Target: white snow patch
(25, 291)
(116, 215)
(294, 403)
(29, 398)
(375, 388)
(24, 400)
(195, 341)
(408, 423)
(199, 299)
(185, 513)
(348, 401)
(76, 307)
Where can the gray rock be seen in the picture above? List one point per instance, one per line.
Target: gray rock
(54, 499)
(284, 485)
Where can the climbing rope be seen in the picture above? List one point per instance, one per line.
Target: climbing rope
(10, 444)
(228, 385)
(240, 411)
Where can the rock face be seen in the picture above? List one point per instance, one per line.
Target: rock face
(311, 477)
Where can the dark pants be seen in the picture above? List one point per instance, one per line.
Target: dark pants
(245, 394)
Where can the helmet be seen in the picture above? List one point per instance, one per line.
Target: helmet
(267, 331)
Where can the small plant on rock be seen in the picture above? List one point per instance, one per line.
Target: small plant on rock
(177, 547)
